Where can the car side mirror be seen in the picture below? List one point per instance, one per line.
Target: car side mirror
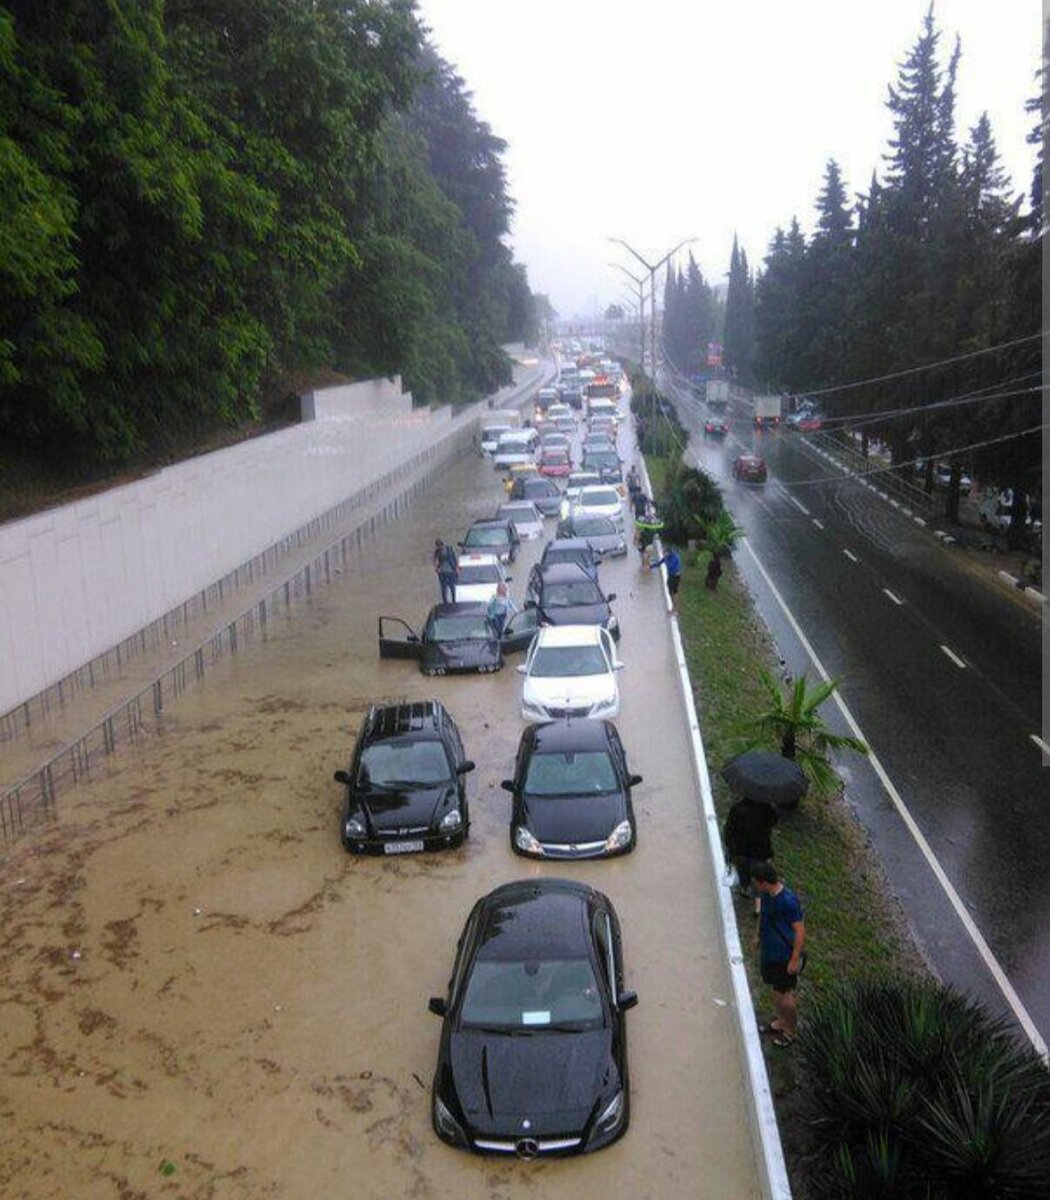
(624, 1000)
(465, 767)
(507, 785)
(634, 780)
(521, 669)
(611, 597)
(508, 579)
(437, 1006)
(619, 666)
(342, 777)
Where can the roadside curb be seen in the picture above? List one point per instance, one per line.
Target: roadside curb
(1025, 589)
(766, 1132)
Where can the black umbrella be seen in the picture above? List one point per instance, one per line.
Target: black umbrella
(763, 775)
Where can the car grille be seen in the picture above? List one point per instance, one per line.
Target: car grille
(556, 714)
(528, 1147)
(403, 831)
(572, 850)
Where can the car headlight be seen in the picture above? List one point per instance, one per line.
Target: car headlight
(611, 1118)
(355, 827)
(451, 820)
(620, 836)
(525, 841)
(447, 1124)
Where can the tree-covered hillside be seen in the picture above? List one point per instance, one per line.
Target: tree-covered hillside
(201, 196)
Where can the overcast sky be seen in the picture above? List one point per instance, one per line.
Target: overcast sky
(657, 120)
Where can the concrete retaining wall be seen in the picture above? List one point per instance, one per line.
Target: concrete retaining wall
(78, 579)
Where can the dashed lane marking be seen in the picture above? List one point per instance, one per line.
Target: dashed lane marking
(954, 658)
(850, 555)
(818, 524)
(801, 507)
(895, 599)
(1040, 743)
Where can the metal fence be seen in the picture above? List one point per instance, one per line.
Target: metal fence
(32, 801)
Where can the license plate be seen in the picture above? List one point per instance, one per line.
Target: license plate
(402, 847)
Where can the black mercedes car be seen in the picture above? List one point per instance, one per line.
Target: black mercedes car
(405, 790)
(564, 594)
(605, 539)
(494, 536)
(572, 792)
(456, 637)
(533, 1056)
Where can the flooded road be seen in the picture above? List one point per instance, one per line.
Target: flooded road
(204, 996)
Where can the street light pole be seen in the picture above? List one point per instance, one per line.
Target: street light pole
(639, 283)
(652, 268)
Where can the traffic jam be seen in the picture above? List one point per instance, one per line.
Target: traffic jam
(532, 1060)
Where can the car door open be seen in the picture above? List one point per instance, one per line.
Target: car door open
(398, 640)
(520, 630)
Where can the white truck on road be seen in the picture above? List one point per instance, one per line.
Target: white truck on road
(717, 395)
(767, 412)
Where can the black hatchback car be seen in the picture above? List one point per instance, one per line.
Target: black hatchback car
(404, 789)
(543, 492)
(564, 594)
(456, 638)
(494, 536)
(572, 792)
(533, 1056)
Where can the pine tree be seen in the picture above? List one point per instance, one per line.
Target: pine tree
(738, 337)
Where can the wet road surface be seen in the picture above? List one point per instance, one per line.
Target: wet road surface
(195, 973)
(942, 671)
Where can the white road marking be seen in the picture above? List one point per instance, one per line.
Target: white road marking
(983, 949)
(817, 523)
(1040, 743)
(895, 599)
(801, 507)
(955, 658)
(850, 555)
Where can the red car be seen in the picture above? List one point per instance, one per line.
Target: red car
(809, 424)
(715, 427)
(555, 463)
(749, 468)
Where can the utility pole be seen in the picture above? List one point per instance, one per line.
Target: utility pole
(639, 283)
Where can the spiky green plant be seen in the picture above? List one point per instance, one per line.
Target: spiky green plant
(793, 720)
(690, 503)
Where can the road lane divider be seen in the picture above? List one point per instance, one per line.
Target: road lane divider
(851, 556)
(953, 657)
(895, 599)
(1002, 981)
(819, 524)
(800, 506)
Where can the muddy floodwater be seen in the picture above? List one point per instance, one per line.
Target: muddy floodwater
(203, 996)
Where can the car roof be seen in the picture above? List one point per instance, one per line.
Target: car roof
(541, 918)
(581, 545)
(569, 572)
(559, 737)
(461, 608)
(420, 719)
(555, 636)
(591, 488)
(483, 521)
(517, 505)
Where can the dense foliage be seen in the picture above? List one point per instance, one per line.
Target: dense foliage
(935, 262)
(692, 317)
(201, 197)
(915, 1091)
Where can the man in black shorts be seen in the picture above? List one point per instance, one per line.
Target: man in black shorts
(781, 940)
(674, 575)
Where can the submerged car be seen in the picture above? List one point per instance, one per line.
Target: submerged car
(479, 577)
(578, 480)
(572, 792)
(555, 462)
(601, 533)
(566, 595)
(572, 550)
(533, 1054)
(524, 516)
(496, 536)
(456, 638)
(570, 671)
(544, 493)
(749, 468)
(599, 501)
(404, 788)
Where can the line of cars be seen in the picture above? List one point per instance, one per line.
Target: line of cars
(532, 1059)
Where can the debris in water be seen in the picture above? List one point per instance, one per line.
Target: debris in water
(75, 955)
(167, 1167)
(720, 1002)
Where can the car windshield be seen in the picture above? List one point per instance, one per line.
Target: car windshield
(388, 764)
(491, 536)
(565, 662)
(538, 488)
(541, 994)
(602, 458)
(559, 595)
(488, 573)
(601, 497)
(584, 773)
(592, 526)
(580, 481)
(555, 455)
(459, 629)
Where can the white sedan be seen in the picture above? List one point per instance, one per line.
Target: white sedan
(479, 576)
(524, 516)
(570, 671)
(601, 501)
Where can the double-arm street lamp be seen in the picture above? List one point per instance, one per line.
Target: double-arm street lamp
(639, 283)
(652, 268)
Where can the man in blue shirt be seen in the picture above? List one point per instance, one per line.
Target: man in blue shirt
(782, 940)
(674, 575)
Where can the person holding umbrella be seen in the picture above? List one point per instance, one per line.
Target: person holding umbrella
(748, 837)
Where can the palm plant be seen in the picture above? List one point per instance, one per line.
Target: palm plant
(719, 539)
(691, 502)
(794, 720)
